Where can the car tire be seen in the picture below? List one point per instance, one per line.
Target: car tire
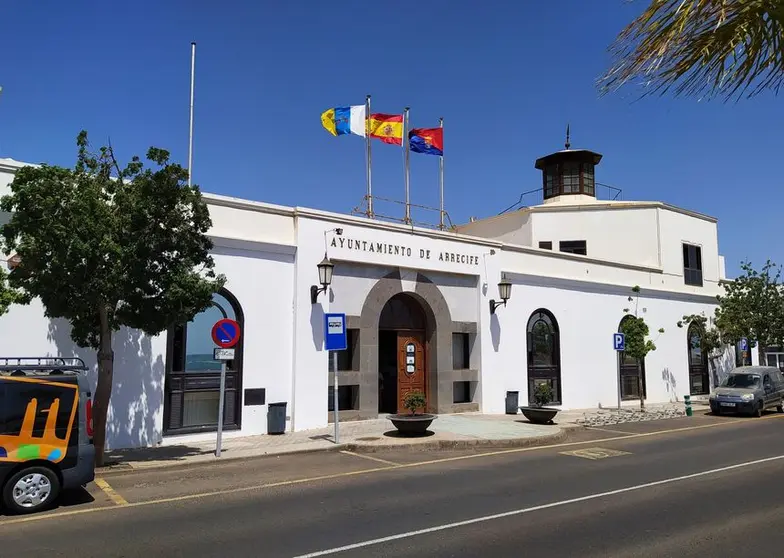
(30, 490)
(758, 410)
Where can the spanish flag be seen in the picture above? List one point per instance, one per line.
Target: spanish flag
(386, 127)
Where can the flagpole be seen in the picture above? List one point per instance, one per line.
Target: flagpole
(368, 160)
(441, 179)
(190, 133)
(406, 159)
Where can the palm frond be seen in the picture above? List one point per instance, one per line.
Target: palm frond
(712, 47)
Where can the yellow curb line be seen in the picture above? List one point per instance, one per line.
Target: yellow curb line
(116, 498)
(333, 476)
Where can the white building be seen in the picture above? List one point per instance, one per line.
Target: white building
(572, 262)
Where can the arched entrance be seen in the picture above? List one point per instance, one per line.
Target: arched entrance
(402, 352)
(699, 383)
(632, 373)
(544, 354)
(192, 386)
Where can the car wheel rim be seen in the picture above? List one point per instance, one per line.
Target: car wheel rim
(32, 490)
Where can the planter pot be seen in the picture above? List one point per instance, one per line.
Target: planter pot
(539, 415)
(412, 425)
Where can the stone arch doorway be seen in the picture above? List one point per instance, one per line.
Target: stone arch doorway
(402, 352)
(436, 355)
(631, 373)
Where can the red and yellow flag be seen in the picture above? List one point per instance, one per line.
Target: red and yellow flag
(386, 127)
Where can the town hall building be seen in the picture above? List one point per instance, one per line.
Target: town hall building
(497, 305)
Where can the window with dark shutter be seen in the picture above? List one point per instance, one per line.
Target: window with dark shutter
(692, 265)
(574, 247)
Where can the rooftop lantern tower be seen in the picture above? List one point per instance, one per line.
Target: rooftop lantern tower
(569, 172)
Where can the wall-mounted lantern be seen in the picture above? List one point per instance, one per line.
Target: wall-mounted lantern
(325, 268)
(504, 291)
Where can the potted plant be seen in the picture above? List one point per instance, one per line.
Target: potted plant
(415, 423)
(537, 412)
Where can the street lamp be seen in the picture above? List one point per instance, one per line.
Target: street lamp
(504, 291)
(325, 268)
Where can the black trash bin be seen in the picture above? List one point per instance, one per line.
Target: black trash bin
(512, 398)
(276, 418)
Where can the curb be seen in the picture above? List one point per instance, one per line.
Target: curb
(125, 468)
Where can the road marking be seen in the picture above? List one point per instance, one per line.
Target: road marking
(595, 453)
(334, 476)
(363, 456)
(116, 498)
(485, 518)
(609, 430)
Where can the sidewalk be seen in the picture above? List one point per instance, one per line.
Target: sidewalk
(447, 432)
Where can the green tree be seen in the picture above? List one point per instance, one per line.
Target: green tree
(753, 307)
(105, 247)
(8, 295)
(716, 47)
(637, 341)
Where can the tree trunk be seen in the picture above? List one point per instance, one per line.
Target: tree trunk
(640, 372)
(104, 389)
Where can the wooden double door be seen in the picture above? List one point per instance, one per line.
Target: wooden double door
(411, 367)
(402, 368)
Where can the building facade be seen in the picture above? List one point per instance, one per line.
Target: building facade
(572, 262)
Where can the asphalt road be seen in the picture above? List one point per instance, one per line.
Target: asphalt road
(704, 486)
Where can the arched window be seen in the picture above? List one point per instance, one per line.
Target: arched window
(544, 354)
(193, 377)
(632, 372)
(699, 382)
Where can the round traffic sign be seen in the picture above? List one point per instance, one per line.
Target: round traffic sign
(226, 333)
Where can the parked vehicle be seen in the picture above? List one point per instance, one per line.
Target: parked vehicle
(749, 389)
(46, 430)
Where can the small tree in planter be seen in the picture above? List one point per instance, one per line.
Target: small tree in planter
(413, 423)
(537, 412)
(414, 400)
(543, 394)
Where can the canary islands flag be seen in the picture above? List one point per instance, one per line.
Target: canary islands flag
(427, 140)
(339, 121)
(386, 127)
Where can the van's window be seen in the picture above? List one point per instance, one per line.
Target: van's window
(741, 381)
(20, 394)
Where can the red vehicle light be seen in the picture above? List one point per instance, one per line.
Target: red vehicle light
(89, 417)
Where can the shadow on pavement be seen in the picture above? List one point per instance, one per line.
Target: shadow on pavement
(396, 434)
(118, 458)
(67, 499)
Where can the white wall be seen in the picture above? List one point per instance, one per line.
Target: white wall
(263, 284)
(676, 229)
(587, 317)
(621, 235)
(136, 406)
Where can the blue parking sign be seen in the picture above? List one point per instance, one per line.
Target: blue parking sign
(335, 332)
(619, 341)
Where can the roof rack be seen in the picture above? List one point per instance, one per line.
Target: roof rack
(47, 365)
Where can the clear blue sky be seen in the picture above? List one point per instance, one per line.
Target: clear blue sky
(506, 76)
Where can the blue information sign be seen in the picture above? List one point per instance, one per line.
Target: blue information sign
(744, 344)
(619, 341)
(335, 332)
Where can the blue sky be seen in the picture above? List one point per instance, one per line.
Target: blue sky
(506, 76)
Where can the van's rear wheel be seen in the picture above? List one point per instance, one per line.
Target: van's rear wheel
(30, 490)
